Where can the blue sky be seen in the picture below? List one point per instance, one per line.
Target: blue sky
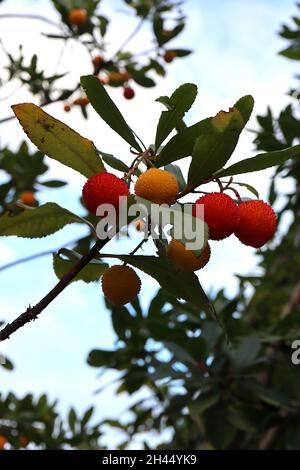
(236, 47)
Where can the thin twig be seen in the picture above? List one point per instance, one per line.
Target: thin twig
(131, 36)
(30, 17)
(12, 264)
(32, 312)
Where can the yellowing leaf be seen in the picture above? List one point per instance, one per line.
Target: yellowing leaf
(58, 141)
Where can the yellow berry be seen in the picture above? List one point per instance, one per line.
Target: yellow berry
(120, 284)
(184, 259)
(158, 186)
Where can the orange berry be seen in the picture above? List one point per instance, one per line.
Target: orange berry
(3, 441)
(24, 441)
(82, 101)
(78, 16)
(120, 284)
(169, 56)
(158, 186)
(128, 93)
(184, 259)
(258, 223)
(67, 108)
(140, 225)
(220, 213)
(103, 188)
(28, 198)
(125, 75)
(97, 60)
(115, 77)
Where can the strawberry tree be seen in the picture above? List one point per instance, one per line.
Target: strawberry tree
(209, 142)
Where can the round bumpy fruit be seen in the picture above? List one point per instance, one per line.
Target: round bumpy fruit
(158, 186)
(103, 188)
(78, 16)
(28, 198)
(184, 259)
(3, 441)
(120, 284)
(257, 224)
(128, 93)
(220, 213)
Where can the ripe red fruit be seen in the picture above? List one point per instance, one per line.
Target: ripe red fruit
(103, 188)
(220, 213)
(128, 93)
(257, 224)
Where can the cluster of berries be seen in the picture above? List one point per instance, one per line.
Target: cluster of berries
(253, 222)
(23, 442)
(78, 17)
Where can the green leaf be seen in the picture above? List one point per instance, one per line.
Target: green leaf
(38, 222)
(270, 396)
(217, 142)
(181, 145)
(106, 108)
(114, 162)
(246, 353)
(53, 183)
(72, 419)
(100, 358)
(260, 162)
(182, 285)
(291, 53)
(58, 141)
(179, 103)
(65, 260)
(180, 353)
(182, 52)
(142, 80)
(250, 188)
(204, 402)
(87, 416)
(176, 171)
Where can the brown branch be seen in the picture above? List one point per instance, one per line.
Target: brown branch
(32, 312)
(293, 303)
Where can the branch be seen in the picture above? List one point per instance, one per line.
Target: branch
(131, 36)
(32, 312)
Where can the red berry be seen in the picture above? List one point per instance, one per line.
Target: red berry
(257, 224)
(220, 213)
(103, 188)
(128, 93)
